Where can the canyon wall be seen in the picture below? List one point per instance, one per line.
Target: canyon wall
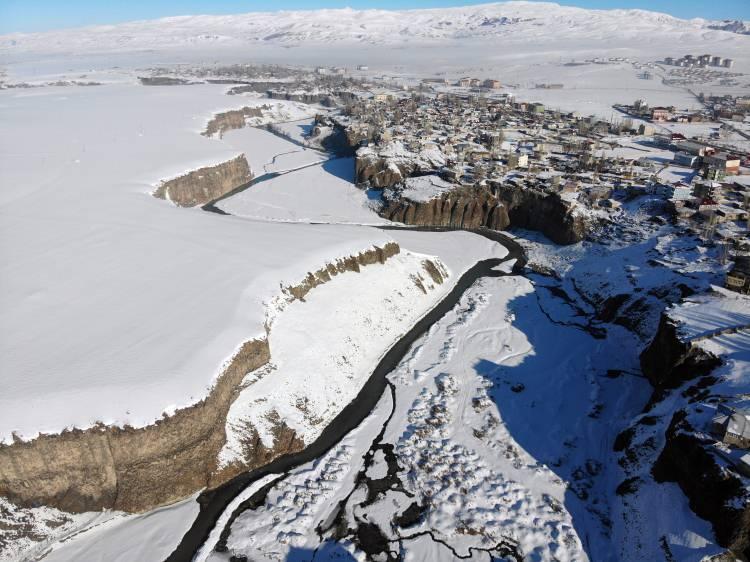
(233, 119)
(669, 361)
(538, 210)
(205, 184)
(459, 209)
(138, 469)
(688, 457)
(124, 468)
(381, 172)
(528, 208)
(715, 494)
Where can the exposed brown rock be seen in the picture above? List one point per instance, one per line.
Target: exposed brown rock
(351, 263)
(462, 208)
(233, 119)
(127, 468)
(545, 212)
(206, 184)
(669, 361)
(715, 494)
(138, 469)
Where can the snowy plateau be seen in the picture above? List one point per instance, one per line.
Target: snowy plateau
(215, 346)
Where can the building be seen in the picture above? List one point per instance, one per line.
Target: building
(677, 190)
(464, 83)
(660, 114)
(669, 61)
(363, 67)
(738, 279)
(725, 164)
(728, 63)
(717, 61)
(492, 84)
(696, 148)
(685, 159)
(731, 427)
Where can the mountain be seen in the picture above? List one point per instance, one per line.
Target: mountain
(513, 21)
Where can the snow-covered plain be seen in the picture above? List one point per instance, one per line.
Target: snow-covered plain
(323, 349)
(320, 193)
(118, 306)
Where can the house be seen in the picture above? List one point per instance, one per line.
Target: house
(696, 148)
(738, 279)
(660, 114)
(685, 159)
(677, 190)
(731, 427)
(725, 164)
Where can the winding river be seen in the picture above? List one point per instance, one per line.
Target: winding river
(214, 502)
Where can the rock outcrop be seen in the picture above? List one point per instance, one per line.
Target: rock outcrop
(206, 184)
(715, 494)
(125, 468)
(460, 209)
(545, 212)
(392, 165)
(233, 119)
(382, 172)
(669, 361)
(138, 469)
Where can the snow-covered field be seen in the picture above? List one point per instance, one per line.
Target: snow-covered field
(118, 306)
(321, 193)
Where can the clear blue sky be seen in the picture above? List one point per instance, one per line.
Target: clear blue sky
(40, 15)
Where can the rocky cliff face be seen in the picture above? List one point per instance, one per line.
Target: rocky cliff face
(460, 209)
(233, 119)
(206, 184)
(124, 468)
(668, 361)
(715, 494)
(136, 470)
(382, 171)
(545, 212)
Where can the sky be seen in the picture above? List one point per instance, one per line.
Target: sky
(42, 15)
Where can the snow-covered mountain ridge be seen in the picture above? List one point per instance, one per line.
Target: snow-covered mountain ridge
(521, 21)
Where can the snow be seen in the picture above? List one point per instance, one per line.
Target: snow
(110, 311)
(150, 536)
(320, 193)
(425, 188)
(324, 348)
(268, 153)
(509, 20)
(707, 314)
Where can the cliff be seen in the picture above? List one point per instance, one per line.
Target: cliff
(460, 208)
(137, 469)
(669, 361)
(206, 184)
(233, 119)
(392, 163)
(125, 468)
(545, 212)
(715, 494)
